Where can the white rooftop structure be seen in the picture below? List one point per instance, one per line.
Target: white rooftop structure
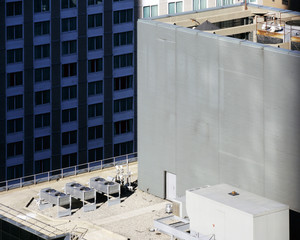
(229, 213)
(245, 201)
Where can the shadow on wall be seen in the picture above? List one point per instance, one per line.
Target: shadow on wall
(294, 225)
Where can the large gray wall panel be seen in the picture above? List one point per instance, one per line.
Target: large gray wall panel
(213, 109)
(164, 110)
(196, 109)
(241, 115)
(282, 126)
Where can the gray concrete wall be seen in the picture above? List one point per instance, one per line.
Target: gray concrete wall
(214, 110)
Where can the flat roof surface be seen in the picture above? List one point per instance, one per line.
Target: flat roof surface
(246, 202)
(131, 219)
(221, 14)
(257, 24)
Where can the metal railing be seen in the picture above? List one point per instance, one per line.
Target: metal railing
(65, 172)
(28, 223)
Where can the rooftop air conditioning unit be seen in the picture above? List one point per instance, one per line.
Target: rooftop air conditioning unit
(79, 191)
(103, 186)
(54, 197)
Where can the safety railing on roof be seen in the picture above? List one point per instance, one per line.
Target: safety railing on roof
(68, 171)
(29, 223)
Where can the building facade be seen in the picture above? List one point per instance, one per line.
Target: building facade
(226, 110)
(67, 93)
(284, 4)
(153, 8)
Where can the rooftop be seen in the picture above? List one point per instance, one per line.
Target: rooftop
(243, 201)
(266, 25)
(131, 219)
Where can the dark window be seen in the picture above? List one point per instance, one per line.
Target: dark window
(94, 43)
(95, 154)
(69, 115)
(42, 120)
(42, 165)
(14, 149)
(69, 47)
(285, 2)
(14, 55)
(122, 105)
(69, 92)
(41, 5)
(15, 171)
(69, 138)
(68, 4)
(95, 20)
(124, 60)
(69, 160)
(95, 110)
(68, 24)
(42, 51)
(123, 16)
(41, 28)
(121, 83)
(124, 126)
(123, 148)
(95, 132)
(69, 70)
(42, 74)
(95, 65)
(14, 102)
(14, 79)
(42, 97)
(123, 38)
(15, 125)
(14, 8)
(95, 88)
(14, 32)
(94, 2)
(42, 143)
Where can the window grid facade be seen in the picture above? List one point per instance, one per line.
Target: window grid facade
(49, 72)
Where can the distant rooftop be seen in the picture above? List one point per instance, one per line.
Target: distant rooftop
(266, 25)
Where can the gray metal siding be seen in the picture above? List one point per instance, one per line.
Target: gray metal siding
(217, 110)
(55, 85)
(82, 82)
(2, 93)
(28, 87)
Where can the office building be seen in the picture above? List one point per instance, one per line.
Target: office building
(153, 8)
(67, 93)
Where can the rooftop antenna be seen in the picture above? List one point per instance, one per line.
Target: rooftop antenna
(246, 8)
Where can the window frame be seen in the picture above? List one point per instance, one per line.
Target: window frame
(41, 6)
